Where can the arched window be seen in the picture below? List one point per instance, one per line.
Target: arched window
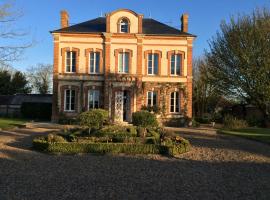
(123, 26)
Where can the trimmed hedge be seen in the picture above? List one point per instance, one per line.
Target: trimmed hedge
(74, 147)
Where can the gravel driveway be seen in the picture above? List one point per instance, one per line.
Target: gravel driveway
(218, 167)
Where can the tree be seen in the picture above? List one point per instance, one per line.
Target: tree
(11, 47)
(12, 84)
(205, 94)
(5, 79)
(19, 84)
(41, 78)
(240, 61)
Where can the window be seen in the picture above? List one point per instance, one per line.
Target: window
(175, 108)
(124, 26)
(93, 99)
(176, 64)
(69, 100)
(94, 62)
(70, 61)
(123, 62)
(153, 64)
(151, 98)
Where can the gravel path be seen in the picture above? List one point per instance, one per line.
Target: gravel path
(218, 167)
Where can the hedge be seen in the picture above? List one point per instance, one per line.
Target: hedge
(74, 147)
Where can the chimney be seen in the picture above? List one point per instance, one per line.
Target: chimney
(64, 19)
(184, 21)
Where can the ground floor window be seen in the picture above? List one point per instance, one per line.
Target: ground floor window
(151, 98)
(69, 100)
(174, 107)
(93, 99)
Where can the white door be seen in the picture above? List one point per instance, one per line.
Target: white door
(119, 105)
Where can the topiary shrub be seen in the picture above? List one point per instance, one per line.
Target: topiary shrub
(145, 120)
(231, 122)
(93, 119)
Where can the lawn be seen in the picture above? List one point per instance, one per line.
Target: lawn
(259, 134)
(8, 123)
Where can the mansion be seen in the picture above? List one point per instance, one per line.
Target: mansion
(122, 62)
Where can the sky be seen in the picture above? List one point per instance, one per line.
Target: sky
(42, 16)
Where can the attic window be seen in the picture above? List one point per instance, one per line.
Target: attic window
(124, 26)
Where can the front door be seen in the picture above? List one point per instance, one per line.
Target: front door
(119, 104)
(122, 106)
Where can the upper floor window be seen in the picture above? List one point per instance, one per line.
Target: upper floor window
(69, 100)
(93, 99)
(124, 26)
(94, 62)
(153, 59)
(123, 62)
(176, 62)
(151, 98)
(174, 104)
(71, 61)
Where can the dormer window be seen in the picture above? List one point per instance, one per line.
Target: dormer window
(124, 26)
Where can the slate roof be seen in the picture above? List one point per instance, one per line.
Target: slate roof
(18, 99)
(98, 25)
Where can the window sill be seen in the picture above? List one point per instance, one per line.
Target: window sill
(70, 111)
(98, 74)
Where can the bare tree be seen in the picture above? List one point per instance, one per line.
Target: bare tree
(13, 40)
(40, 78)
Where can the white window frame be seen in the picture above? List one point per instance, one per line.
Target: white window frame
(175, 64)
(70, 97)
(153, 64)
(71, 61)
(94, 96)
(152, 98)
(123, 24)
(95, 64)
(175, 101)
(123, 62)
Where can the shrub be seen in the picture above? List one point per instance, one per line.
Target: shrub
(202, 120)
(144, 119)
(117, 130)
(152, 140)
(231, 122)
(253, 121)
(63, 119)
(154, 109)
(164, 133)
(52, 138)
(93, 119)
(195, 123)
(73, 148)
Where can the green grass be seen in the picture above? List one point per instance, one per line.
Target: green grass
(8, 123)
(259, 134)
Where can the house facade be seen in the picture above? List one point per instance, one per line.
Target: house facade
(122, 62)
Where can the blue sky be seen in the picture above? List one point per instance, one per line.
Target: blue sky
(41, 16)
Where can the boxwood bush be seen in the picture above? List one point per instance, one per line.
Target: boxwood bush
(75, 147)
(144, 119)
(93, 119)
